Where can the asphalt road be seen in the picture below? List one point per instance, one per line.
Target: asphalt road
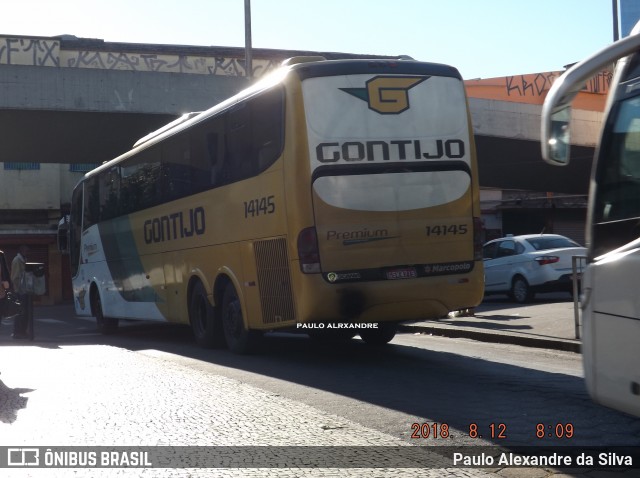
(150, 384)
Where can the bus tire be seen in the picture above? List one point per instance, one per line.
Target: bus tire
(203, 321)
(239, 339)
(380, 336)
(105, 325)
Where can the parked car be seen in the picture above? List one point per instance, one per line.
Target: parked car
(520, 266)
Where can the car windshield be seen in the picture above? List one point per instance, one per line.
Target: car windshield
(544, 243)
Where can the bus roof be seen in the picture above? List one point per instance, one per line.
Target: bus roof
(363, 66)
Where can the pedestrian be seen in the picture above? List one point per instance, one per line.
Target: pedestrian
(18, 283)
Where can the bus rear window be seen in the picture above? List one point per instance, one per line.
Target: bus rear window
(400, 191)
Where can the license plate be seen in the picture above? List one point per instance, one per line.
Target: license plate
(405, 273)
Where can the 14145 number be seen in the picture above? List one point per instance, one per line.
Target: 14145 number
(447, 229)
(260, 206)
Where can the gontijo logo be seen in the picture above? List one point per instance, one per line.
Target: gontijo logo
(387, 94)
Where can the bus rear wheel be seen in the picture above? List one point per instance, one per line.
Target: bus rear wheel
(380, 336)
(105, 325)
(203, 321)
(239, 339)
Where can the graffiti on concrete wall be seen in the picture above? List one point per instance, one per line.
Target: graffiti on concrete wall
(29, 51)
(163, 63)
(530, 85)
(599, 83)
(47, 52)
(538, 84)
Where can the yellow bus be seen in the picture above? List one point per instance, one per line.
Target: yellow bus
(333, 197)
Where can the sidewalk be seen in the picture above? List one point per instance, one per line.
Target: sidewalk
(543, 324)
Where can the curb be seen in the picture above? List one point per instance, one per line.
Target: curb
(494, 337)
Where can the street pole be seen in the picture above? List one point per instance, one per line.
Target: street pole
(616, 33)
(248, 61)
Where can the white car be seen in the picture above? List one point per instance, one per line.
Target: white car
(520, 266)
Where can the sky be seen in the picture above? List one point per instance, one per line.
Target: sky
(482, 38)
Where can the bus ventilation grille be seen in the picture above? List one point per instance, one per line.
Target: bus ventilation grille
(274, 281)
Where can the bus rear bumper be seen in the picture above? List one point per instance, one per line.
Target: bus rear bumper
(386, 301)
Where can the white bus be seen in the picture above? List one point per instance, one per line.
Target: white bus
(611, 288)
(332, 192)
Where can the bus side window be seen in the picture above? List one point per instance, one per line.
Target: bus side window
(215, 158)
(110, 194)
(254, 135)
(140, 187)
(129, 190)
(266, 154)
(176, 180)
(206, 161)
(237, 154)
(268, 123)
(91, 202)
(177, 177)
(619, 186)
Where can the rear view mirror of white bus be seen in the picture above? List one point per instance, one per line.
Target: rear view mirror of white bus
(558, 144)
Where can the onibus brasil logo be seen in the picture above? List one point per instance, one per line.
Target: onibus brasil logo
(387, 94)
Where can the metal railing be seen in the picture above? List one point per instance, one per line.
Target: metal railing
(578, 264)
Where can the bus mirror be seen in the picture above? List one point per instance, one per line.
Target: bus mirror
(559, 140)
(556, 110)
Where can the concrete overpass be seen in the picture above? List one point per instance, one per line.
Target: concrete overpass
(71, 100)
(506, 114)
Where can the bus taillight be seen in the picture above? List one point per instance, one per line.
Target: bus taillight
(308, 251)
(477, 239)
